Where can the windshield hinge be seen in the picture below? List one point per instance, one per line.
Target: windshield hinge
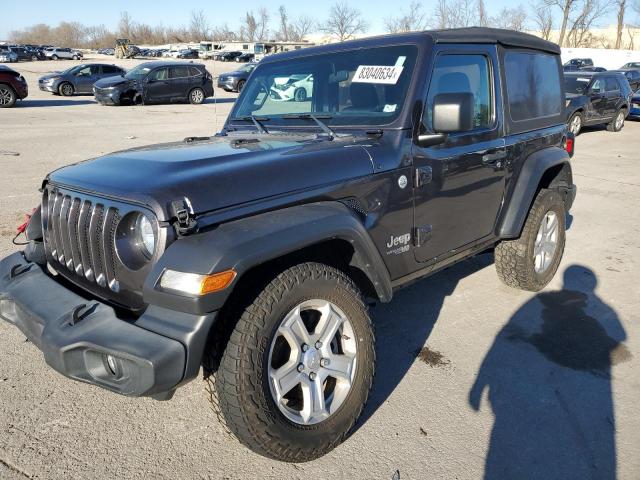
(183, 218)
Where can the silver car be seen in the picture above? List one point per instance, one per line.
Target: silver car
(8, 56)
(78, 79)
(55, 53)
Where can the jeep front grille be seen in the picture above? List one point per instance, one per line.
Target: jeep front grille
(79, 235)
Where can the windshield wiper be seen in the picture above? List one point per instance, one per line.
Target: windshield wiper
(255, 120)
(315, 118)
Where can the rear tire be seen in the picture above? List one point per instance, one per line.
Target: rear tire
(530, 261)
(196, 96)
(54, 57)
(617, 123)
(262, 414)
(8, 96)
(575, 123)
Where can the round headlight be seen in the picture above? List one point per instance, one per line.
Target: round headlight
(145, 235)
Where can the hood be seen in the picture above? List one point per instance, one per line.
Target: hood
(51, 75)
(112, 81)
(221, 172)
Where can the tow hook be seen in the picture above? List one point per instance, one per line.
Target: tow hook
(185, 222)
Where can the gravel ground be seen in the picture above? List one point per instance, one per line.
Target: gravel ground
(473, 378)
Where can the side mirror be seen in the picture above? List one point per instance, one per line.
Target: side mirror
(453, 112)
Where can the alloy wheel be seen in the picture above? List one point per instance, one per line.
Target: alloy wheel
(546, 242)
(312, 362)
(5, 96)
(576, 125)
(619, 120)
(197, 96)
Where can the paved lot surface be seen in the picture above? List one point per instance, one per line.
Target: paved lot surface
(527, 386)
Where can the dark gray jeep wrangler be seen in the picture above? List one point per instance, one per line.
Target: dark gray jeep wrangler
(342, 173)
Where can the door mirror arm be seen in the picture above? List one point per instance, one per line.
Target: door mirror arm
(430, 139)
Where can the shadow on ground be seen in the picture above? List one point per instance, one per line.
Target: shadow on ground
(548, 377)
(52, 103)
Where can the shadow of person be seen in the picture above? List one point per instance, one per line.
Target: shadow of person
(548, 376)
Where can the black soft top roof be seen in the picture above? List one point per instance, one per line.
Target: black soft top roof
(508, 38)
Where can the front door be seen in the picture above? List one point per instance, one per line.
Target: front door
(460, 183)
(156, 86)
(86, 77)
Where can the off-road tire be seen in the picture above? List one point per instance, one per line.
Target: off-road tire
(64, 89)
(242, 386)
(8, 95)
(612, 126)
(514, 259)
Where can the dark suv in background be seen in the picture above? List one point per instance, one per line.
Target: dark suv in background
(157, 82)
(576, 64)
(78, 79)
(595, 99)
(235, 81)
(13, 87)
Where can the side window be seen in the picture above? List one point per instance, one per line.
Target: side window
(179, 72)
(533, 85)
(194, 72)
(95, 69)
(84, 72)
(110, 69)
(612, 84)
(455, 73)
(160, 74)
(596, 86)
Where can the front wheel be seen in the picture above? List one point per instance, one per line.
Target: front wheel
(618, 121)
(54, 57)
(300, 95)
(240, 85)
(530, 261)
(297, 370)
(196, 96)
(66, 89)
(75, 57)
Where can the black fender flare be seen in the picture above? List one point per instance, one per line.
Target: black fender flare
(532, 172)
(248, 242)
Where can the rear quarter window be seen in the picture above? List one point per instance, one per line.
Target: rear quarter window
(533, 85)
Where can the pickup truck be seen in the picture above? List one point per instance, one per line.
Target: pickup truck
(257, 252)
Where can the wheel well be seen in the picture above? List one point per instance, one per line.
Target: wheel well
(556, 176)
(336, 253)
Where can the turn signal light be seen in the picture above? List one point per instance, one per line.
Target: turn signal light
(217, 282)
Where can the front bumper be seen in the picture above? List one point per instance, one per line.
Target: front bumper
(107, 97)
(48, 87)
(153, 354)
(228, 84)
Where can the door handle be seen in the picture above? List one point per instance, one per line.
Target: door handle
(493, 155)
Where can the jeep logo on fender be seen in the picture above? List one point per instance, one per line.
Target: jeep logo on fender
(399, 240)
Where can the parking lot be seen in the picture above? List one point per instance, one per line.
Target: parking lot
(461, 357)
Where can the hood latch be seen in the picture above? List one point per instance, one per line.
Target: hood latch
(185, 222)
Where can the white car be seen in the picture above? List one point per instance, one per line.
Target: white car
(64, 53)
(295, 87)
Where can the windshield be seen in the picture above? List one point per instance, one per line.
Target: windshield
(73, 70)
(247, 68)
(357, 87)
(576, 84)
(137, 73)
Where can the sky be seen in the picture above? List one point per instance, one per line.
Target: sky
(14, 15)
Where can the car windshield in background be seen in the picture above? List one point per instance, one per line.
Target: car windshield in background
(576, 84)
(247, 68)
(358, 87)
(137, 72)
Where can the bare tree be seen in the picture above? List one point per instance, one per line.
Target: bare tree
(224, 33)
(566, 6)
(344, 22)
(199, 26)
(622, 8)
(262, 32)
(459, 13)
(511, 19)
(543, 20)
(248, 28)
(302, 27)
(284, 33)
(441, 15)
(483, 18)
(580, 32)
(413, 20)
(125, 25)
